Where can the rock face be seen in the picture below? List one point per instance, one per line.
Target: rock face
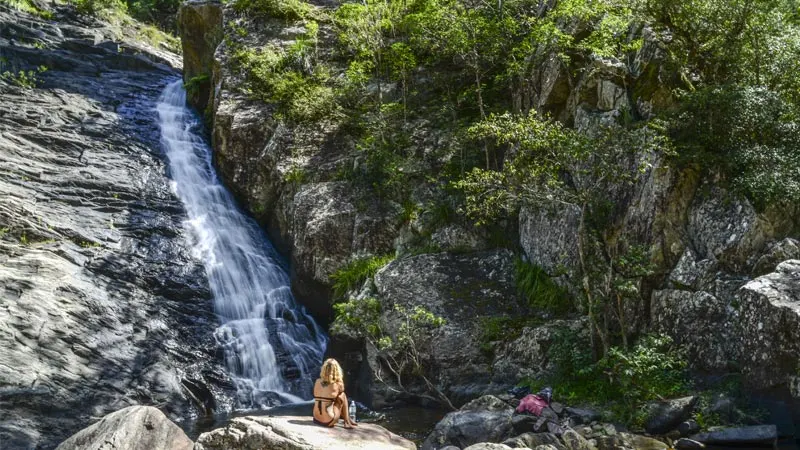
(200, 23)
(770, 326)
(463, 289)
(298, 433)
(131, 428)
(102, 304)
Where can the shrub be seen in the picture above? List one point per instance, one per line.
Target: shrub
(103, 8)
(279, 9)
(539, 289)
(22, 78)
(623, 381)
(355, 273)
(29, 7)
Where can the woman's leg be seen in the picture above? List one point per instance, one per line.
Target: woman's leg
(345, 408)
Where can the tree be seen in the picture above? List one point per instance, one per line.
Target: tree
(399, 336)
(551, 165)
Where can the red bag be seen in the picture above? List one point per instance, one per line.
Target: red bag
(532, 404)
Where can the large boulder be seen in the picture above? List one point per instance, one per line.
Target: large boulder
(693, 320)
(486, 419)
(464, 289)
(200, 26)
(298, 433)
(527, 356)
(757, 435)
(665, 416)
(770, 324)
(132, 428)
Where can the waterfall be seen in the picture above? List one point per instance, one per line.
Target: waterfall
(273, 348)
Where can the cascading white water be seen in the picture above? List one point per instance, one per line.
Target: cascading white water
(261, 324)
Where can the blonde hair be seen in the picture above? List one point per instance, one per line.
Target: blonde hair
(331, 372)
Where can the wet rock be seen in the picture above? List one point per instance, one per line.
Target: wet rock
(298, 433)
(667, 415)
(582, 415)
(770, 323)
(753, 435)
(487, 419)
(131, 428)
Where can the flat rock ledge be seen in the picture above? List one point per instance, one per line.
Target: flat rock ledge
(298, 433)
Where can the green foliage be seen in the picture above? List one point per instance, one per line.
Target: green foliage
(295, 175)
(360, 317)
(106, 9)
(282, 77)
(29, 7)
(502, 329)
(354, 274)
(623, 381)
(279, 9)
(159, 12)
(24, 79)
(192, 86)
(750, 134)
(400, 335)
(539, 289)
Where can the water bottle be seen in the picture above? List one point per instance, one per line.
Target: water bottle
(352, 411)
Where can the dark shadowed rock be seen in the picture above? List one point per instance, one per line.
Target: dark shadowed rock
(463, 289)
(688, 427)
(688, 444)
(754, 435)
(667, 415)
(486, 419)
(582, 415)
(132, 428)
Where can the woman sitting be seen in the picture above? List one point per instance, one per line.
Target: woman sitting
(330, 401)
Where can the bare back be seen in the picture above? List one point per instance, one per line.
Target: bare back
(326, 410)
